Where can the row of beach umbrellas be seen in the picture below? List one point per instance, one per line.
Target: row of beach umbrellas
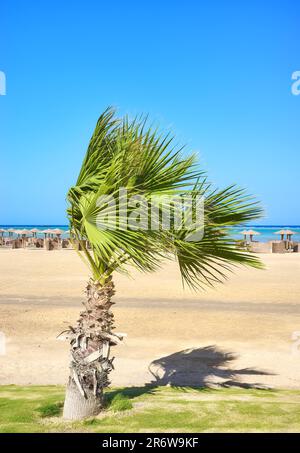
(33, 232)
(251, 233)
(57, 232)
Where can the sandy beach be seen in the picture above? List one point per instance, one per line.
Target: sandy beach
(237, 334)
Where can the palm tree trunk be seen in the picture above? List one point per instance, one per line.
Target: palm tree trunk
(91, 364)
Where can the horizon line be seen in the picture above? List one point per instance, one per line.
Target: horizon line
(67, 225)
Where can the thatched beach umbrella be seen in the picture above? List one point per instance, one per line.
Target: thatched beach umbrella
(251, 234)
(289, 234)
(58, 234)
(52, 232)
(34, 231)
(24, 233)
(245, 232)
(45, 232)
(57, 231)
(17, 232)
(282, 233)
(2, 234)
(10, 231)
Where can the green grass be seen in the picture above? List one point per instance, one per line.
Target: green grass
(50, 409)
(160, 409)
(120, 403)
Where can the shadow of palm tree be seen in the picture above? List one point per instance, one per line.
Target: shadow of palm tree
(199, 368)
(202, 367)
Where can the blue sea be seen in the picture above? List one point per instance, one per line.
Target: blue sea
(266, 232)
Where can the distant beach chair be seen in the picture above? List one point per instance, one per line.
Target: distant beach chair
(17, 243)
(260, 247)
(39, 243)
(4, 243)
(9, 243)
(55, 244)
(66, 244)
(278, 247)
(296, 247)
(48, 244)
(77, 244)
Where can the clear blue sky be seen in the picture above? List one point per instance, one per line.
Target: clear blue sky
(218, 73)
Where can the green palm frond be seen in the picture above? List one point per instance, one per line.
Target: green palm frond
(129, 154)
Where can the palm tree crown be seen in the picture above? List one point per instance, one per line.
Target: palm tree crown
(129, 155)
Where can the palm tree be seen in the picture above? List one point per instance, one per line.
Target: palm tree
(129, 156)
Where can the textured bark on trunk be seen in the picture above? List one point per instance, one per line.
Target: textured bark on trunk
(91, 364)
